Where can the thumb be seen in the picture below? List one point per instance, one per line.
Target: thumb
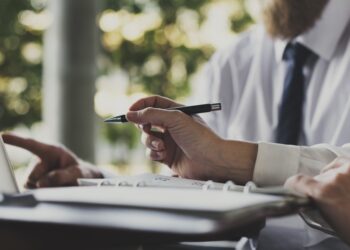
(156, 117)
(39, 170)
(303, 184)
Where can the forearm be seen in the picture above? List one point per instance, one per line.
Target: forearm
(330, 191)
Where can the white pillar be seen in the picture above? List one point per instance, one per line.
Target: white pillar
(69, 75)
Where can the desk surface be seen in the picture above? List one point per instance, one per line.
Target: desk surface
(57, 226)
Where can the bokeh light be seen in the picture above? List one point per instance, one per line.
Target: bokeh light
(32, 52)
(34, 21)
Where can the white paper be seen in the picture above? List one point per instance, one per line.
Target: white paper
(167, 198)
(154, 180)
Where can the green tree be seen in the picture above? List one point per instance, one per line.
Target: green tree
(20, 79)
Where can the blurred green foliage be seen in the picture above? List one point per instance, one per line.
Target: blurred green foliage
(132, 56)
(20, 78)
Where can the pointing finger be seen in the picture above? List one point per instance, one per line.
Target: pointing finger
(38, 148)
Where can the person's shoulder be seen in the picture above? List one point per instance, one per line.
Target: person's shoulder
(243, 47)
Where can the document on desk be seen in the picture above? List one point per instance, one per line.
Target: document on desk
(161, 181)
(149, 180)
(172, 193)
(177, 209)
(169, 198)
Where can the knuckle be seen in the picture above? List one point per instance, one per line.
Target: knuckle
(147, 111)
(55, 178)
(59, 149)
(177, 115)
(156, 97)
(79, 171)
(298, 178)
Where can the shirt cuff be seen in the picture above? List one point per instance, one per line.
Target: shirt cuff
(275, 163)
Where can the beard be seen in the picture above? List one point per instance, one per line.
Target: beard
(287, 19)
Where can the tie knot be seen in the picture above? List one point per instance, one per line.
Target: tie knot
(296, 52)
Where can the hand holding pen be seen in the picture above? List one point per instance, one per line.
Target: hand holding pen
(188, 146)
(180, 133)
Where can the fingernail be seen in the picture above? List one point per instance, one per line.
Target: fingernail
(158, 156)
(155, 144)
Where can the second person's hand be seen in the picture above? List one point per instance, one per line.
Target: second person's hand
(57, 166)
(331, 192)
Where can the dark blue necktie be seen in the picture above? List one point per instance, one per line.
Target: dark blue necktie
(291, 109)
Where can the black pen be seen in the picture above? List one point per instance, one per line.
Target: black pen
(189, 110)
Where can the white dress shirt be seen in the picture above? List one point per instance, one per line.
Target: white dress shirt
(248, 79)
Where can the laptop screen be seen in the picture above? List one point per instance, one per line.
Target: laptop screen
(8, 182)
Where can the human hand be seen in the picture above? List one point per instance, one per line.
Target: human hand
(57, 166)
(331, 192)
(185, 143)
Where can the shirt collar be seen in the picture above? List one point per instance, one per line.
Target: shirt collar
(323, 38)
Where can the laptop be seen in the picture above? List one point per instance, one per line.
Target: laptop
(8, 182)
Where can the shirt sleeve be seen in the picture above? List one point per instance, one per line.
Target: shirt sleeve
(275, 163)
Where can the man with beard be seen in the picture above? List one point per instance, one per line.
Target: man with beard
(285, 82)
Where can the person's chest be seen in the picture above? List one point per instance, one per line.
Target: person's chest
(326, 107)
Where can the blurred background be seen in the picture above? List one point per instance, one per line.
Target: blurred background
(66, 65)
